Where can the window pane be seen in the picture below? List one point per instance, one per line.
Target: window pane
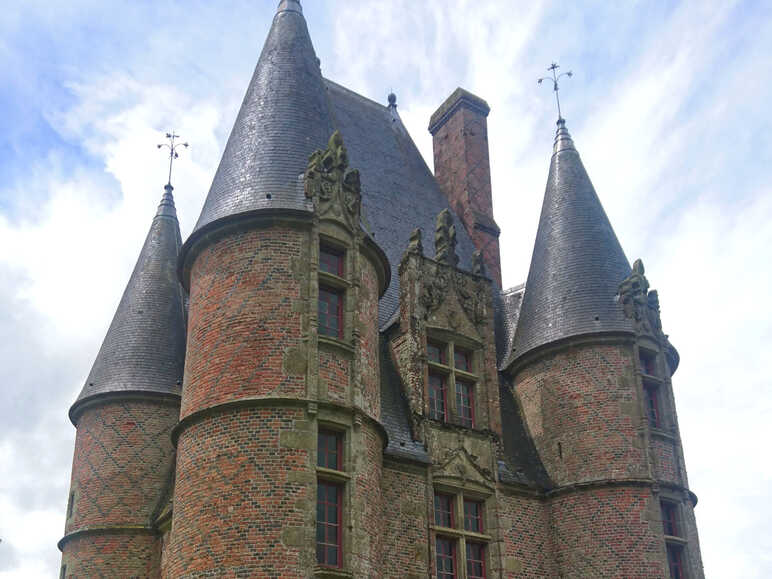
(331, 261)
(475, 560)
(446, 558)
(465, 402)
(473, 516)
(328, 523)
(435, 352)
(330, 312)
(462, 360)
(669, 518)
(329, 447)
(652, 405)
(443, 510)
(437, 396)
(674, 562)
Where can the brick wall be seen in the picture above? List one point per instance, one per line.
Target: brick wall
(525, 531)
(243, 499)
(245, 318)
(612, 532)
(123, 456)
(582, 408)
(112, 555)
(406, 535)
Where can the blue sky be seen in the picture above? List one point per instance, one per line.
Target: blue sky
(668, 107)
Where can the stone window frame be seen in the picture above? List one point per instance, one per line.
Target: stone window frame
(653, 389)
(340, 478)
(447, 369)
(675, 544)
(338, 284)
(457, 534)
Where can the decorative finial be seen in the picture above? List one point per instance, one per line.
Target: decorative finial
(445, 239)
(290, 5)
(392, 100)
(173, 154)
(555, 77)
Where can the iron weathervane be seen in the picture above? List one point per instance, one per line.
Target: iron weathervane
(555, 77)
(172, 146)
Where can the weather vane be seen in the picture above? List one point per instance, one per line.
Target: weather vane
(555, 77)
(172, 146)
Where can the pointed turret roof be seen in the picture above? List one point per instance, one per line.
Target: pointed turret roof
(144, 349)
(577, 261)
(284, 118)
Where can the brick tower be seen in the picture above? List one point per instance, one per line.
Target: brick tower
(591, 370)
(281, 399)
(124, 416)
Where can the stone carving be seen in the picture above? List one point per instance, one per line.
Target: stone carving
(415, 245)
(478, 263)
(435, 289)
(633, 291)
(445, 239)
(334, 188)
(652, 312)
(471, 298)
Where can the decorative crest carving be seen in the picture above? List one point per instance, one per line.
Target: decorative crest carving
(445, 239)
(640, 304)
(633, 291)
(334, 188)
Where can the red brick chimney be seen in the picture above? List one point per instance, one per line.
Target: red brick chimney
(462, 168)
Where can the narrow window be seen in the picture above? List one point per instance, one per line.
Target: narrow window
(446, 558)
(330, 312)
(670, 518)
(473, 516)
(652, 405)
(71, 505)
(328, 524)
(437, 397)
(475, 560)
(648, 362)
(63, 572)
(462, 360)
(435, 352)
(331, 260)
(443, 510)
(465, 402)
(330, 449)
(674, 562)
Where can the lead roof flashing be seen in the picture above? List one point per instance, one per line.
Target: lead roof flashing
(460, 98)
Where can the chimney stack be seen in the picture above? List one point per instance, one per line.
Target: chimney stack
(462, 168)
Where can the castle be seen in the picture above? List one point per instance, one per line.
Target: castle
(327, 380)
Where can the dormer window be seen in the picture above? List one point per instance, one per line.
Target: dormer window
(450, 371)
(648, 362)
(331, 260)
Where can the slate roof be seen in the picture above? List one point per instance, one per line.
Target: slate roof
(144, 349)
(399, 192)
(284, 118)
(577, 261)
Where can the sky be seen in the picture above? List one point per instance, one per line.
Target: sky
(667, 107)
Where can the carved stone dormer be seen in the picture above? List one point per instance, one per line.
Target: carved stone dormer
(334, 188)
(442, 304)
(445, 239)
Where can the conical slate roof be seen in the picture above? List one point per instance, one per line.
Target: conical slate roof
(284, 118)
(577, 261)
(144, 349)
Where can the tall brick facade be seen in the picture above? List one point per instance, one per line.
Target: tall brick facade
(326, 380)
